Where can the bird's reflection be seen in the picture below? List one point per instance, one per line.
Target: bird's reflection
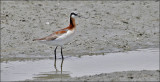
(54, 74)
(56, 66)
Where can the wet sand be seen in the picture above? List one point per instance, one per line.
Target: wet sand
(114, 26)
(110, 26)
(144, 75)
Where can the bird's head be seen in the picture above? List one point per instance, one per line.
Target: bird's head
(74, 14)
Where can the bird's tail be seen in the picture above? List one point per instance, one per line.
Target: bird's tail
(38, 39)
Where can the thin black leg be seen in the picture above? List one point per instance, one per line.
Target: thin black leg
(62, 53)
(55, 52)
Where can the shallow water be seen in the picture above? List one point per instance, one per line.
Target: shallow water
(142, 59)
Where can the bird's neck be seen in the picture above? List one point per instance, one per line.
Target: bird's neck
(72, 23)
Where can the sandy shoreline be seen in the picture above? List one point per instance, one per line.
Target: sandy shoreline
(114, 26)
(144, 75)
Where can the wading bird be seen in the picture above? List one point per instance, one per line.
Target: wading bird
(61, 37)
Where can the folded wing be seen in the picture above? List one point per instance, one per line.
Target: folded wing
(54, 35)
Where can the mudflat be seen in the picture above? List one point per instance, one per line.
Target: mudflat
(105, 26)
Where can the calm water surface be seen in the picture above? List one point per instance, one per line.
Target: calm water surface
(142, 59)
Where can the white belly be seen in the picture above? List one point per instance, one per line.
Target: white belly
(61, 40)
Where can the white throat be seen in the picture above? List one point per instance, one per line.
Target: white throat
(73, 16)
